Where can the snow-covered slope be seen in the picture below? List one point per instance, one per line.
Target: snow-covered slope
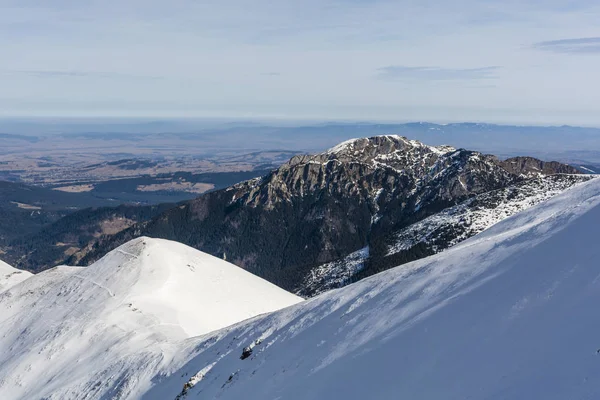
(508, 314)
(10, 276)
(105, 330)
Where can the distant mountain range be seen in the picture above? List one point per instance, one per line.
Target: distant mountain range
(563, 143)
(363, 195)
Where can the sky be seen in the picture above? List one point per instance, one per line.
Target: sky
(509, 61)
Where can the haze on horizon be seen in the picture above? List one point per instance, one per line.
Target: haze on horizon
(528, 62)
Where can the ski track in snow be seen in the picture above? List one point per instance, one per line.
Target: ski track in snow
(127, 253)
(96, 284)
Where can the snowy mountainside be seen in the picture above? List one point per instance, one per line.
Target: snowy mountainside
(333, 275)
(489, 318)
(10, 276)
(97, 332)
(455, 224)
(507, 314)
(439, 231)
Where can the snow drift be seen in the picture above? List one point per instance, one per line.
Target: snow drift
(73, 332)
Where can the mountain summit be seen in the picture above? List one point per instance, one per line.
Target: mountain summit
(379, 148)
(391, 164)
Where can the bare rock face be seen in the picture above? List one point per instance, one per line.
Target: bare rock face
(530, 167)
(392, 166)
(319, 208)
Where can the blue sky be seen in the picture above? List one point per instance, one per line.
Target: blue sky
(498, 61)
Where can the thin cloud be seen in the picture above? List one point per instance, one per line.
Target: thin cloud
(78, 74)
(398, 72)
(273, 74)
(587, 45)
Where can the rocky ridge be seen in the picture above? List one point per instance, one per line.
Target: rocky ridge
(316, 209)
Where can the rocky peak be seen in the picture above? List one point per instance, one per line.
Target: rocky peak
(392, 150)
(394, 166)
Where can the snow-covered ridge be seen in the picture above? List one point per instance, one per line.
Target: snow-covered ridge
(84, 333)
(10, 276)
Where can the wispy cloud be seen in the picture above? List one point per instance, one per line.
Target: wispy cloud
(78, 74)
(399, 72)
(571, 46)
(300, 58)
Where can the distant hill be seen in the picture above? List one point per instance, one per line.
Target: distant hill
(24, 209)
(209, 137)
(43, 227)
